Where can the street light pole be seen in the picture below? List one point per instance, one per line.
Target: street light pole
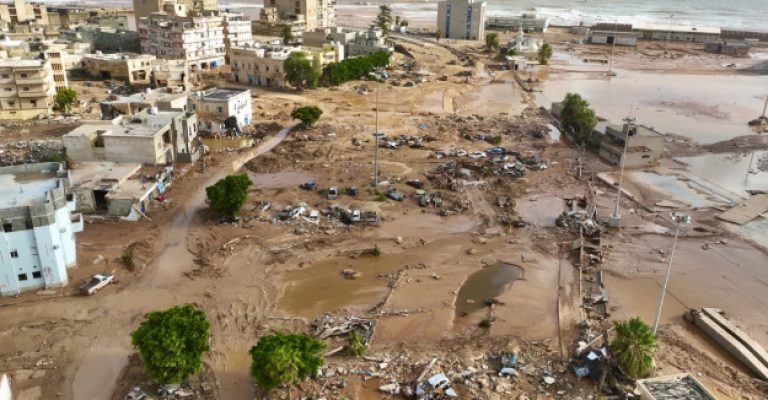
(376, 143)
(615, 220)
(677, 219)
(669, 37)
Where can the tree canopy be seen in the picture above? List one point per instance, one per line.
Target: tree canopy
(300, 72)
(384, 19)
(491, 41)
(308, 115)
(285, 358)
(65, 97)
(577, 118)
(287, 34)
(228, 195)
(633, 347)
(172, 343)
(353, 68)
(545, 53)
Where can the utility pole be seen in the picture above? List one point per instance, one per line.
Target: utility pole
(610, 64)
(615, 220)
(763, 119)
(376, 142)
(677, 219)
(669, 37)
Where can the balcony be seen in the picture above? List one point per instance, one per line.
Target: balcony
(32, 93)
(31, 80)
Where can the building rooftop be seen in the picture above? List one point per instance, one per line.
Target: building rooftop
(118, 56)
(640, 130)
(221, 94)
(26, 185)
(676, 28)
(97, 174)
(676, 387)
(147, 97)
(143, 124)
(18, 62)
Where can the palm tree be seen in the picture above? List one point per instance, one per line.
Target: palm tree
(633, 347)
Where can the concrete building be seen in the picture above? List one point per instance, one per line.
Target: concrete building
(21, 12)
(14, 48)
(39, 226)
(151, 137)
(270, 24)
(199, 40)
(135, 103)
(132, 68)
(145, 8)
(682, 386)
(356, 42)
(105, 39)
(170, 74)
(120, 190)
(215, 105)
(618, 38)
(58, 61)
(645, 146)
(678, 33)
(237, 31)
(26, 88)
(526, 46)
(316, 13)
(733, 49)
(260, 65)
(528, 22)
(461, 19)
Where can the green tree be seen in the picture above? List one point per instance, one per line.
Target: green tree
(384, 19)
(308, 115)
(512, 52)
(285, 359)
(228, 195)
(172, 343)
(353, 68)
(64, 98)
(300, 72)
(491, 41)
(577, 118)
(633, 347)
(438, 35)
(356, 343)
(545, 53)
(287, 35)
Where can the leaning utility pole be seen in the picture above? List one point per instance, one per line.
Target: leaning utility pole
(677, 219)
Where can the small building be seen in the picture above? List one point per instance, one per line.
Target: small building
(135, 103)
(132, 68)
(170, 74)
(356, 42)
(525, 45)
(733, 49)
(461, 19)
(39, 226)
(612, 34)
(645, 146)
(26, 88)
(150, 137)
(260, 65)
(529, 22)
(682, 386)
(213, 106)
(678, 33)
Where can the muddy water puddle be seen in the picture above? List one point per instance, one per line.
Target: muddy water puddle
(495, 97)
(321, 287)
(540, 210)
(486, 283)
(736, 172)
(672, 103)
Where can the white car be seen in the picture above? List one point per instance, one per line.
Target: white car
(461, 153)
(93, 285)
(477, 154)
(356, 216)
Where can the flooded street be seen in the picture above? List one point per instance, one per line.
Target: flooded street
(540, 210)
(670, 103)
(487, 283)
(736, 172)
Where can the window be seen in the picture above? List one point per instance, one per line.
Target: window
(219, 109)
(37, 275)
(7, 227)
(23, 75)
(6, 76)
(22, 277)
(7, 89)
(33, 103)
(14, 254)
(25, 88)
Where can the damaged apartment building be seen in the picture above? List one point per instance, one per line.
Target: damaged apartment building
(39, 225)
(644, 146)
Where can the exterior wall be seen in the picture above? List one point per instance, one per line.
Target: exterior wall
(642, 150)
(461, 19)
(211, 113)
(170, 73)
(144, 8)
(529, 22)
(237, 32)
(694, 37)
(258, 67)
(307, 8)
(27, 88)
(58, 66)
(39, 244)
(619, 38)
(133, 69)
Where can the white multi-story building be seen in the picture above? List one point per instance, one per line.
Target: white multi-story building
(461, 19)
(356, 42)
(173, 35)
(215, 105)
(27, 88)
(37, 242)
(237, 31)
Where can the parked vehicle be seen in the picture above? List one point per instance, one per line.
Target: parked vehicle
(415, 183)
(461, 153)
(380, 135)
(352, 191)
(355, 216)
(495, 151)
(314, 216)
(477, 154)
(96, 282)
(333, 193)
(311, 185)
(395, 195)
